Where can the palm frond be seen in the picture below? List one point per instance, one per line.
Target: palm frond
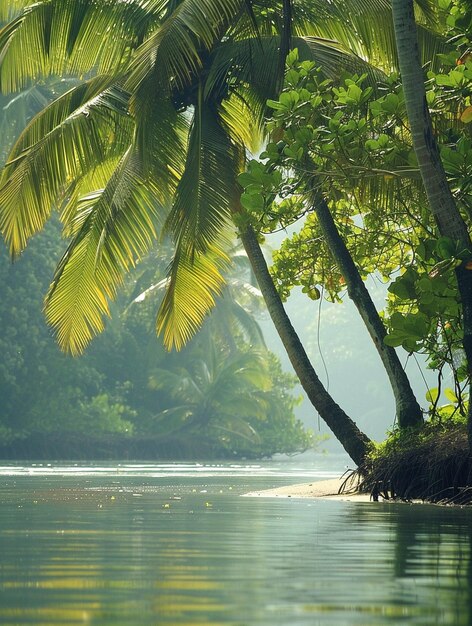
(116, 227)
(242, 116)
(242, 370)
(202, 206)
(246, 63)
(427, 13)
(174, 419)
(354, 24)
(351, 23)
(160, 136)
(193, 284)
(173, 52)
(10, 8)
(239, 427)
(431, 44)
(73, 37)
(285, 40)
(247, 323)
(78, 130)
(333, 59)
(79, 189)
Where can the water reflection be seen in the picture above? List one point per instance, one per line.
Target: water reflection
(187, 552)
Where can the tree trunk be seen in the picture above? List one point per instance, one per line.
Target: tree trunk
(441, 202)
(408, 410)
(355, 442)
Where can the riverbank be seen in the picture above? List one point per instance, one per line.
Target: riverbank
(332, 489)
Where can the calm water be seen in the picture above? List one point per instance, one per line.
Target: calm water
(175, 544)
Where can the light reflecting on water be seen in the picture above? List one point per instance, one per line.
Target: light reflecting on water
(175, 544)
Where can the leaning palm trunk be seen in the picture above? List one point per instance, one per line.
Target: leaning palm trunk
(407, 408)
(355, 442)
(441, 201)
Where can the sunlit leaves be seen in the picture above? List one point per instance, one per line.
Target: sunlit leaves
(117, 227)
(160, 138)
(63, 142)
(173, 52)
(194, 282)
(72, 37)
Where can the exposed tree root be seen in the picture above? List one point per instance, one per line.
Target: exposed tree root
(432, 465)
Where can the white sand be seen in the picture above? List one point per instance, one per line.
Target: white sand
(318, 489)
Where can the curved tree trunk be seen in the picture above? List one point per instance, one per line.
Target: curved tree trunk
(354, 441)
(408, 410)
(441, 201)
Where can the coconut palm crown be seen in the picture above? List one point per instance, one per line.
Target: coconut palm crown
(171, 95)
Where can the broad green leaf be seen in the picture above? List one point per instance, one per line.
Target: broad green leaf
(450, 395)
(432, 395)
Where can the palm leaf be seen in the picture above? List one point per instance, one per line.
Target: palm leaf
(117, 227)
(179, 383)
(333, 59)
(65, 140)
(205, 193)
(244, 63)
(233, 312)
(193, 284)
(248, 369)
(285, 40)
(72, 37)
(354, 24)
(172, 54)
(242, 117)
(160, 137)
(235, 425)
(96, 178)
(10, 8)
(174, 419)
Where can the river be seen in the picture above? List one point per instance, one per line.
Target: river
(176, 544)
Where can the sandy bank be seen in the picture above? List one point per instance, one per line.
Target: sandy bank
(317, 489)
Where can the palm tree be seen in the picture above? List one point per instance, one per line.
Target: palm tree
(441, 201)
(125, 131)
(220, 395)
(116, 152)
(175, 92)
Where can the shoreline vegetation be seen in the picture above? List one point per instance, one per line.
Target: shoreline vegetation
(367, 148)
(431, 465)
(115, 446)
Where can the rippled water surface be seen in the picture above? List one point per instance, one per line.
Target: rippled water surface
(176, 544)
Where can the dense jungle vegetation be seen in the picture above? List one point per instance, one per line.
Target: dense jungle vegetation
(223, 395)
(361, 113)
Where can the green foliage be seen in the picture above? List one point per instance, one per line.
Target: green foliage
(342, 140)
(169, 105)
(424, 315)
(350, 142)
(42, 389)
(246, 409)
(231, 400)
